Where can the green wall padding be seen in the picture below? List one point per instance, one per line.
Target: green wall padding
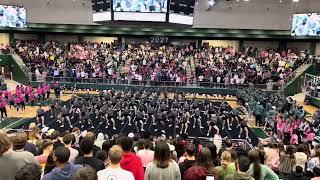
(17, 73)
(169, 89)
(294, 87)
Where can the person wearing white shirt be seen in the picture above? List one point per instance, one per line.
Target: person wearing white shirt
(114, 171)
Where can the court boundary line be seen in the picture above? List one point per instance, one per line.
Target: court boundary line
(14, 123)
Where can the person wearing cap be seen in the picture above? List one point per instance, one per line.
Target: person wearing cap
(47, 148)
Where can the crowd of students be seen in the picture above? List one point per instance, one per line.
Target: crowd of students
(167, 63)
(83, 155)
(283, 117)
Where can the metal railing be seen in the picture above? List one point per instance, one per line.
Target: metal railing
(237, 143)
(21, 64)
(293, 75)
(110, 81)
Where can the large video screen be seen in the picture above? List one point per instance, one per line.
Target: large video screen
(12, 16)
(181, 11)
(306, 24)
(147, 6)
(101, 10)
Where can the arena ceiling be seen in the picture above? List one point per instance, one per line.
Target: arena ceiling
(249, 14)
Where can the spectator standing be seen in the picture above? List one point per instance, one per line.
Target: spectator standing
(162, 167)
(257, 170)
(29, 172)
(10, 161)
(146, 155)
(47, 148)
(85, 173)
(114, 171)
(189, 161)
(202, 168)
(301, 157)
(227, 166)
(67, 140)
(130, 161)
(63, 170)
(86, 147)
(241, 174)
(298, 174)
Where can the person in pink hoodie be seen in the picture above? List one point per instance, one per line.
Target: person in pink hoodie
(39, 92)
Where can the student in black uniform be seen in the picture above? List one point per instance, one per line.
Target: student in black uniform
(102, 115)
(75, 107)
(212, 123)
(244, 127)
(139, 114)
(86, 118)
(226, 119)
(54, 103)
(65, 116)
(173, 117)
(184, 122)
(40, 116)
(126, 113)
(110, 117)
(151, 111)
(197, 118)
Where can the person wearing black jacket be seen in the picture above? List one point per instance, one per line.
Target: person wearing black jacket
(189, 161)
(298, 175)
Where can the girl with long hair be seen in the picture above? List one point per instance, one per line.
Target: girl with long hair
(259, 171)
(203, 167)
(162, 167)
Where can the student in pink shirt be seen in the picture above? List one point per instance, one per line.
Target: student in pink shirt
(39, 92)
(10, 99)
(17, 102)
(18, 91)
(146, 155)
(44, 91)
(5, 93)
(294, 138)
(3, 109)
(48, 90)
(280, 126)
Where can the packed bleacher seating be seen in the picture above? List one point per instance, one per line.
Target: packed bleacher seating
(166, 63)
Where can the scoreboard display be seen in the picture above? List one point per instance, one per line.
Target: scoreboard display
(166, 11)
(101, 6)
(181, 11)
(185, 7)
(101, 10)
